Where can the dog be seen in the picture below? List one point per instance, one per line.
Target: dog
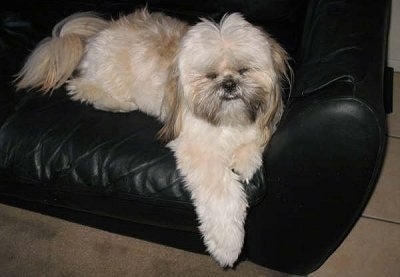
(215, 86)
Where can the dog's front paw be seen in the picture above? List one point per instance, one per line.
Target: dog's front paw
(246, 160)
(224, 238)
(222, 215)
(240, 177)
(226, 250)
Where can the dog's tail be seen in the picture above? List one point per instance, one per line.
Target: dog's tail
(55, 58)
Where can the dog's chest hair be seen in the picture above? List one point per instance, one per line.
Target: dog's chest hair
(218, 139)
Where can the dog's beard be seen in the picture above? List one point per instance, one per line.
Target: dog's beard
(219, 107)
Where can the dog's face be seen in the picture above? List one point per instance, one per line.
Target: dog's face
(229, 73)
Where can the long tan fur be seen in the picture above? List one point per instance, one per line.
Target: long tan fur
(271, 115)
(54, 60)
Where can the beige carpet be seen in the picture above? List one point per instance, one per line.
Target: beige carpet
(32, 244)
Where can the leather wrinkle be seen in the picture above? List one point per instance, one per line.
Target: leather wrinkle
(328, 57)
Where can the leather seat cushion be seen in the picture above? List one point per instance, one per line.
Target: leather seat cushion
(67, 146)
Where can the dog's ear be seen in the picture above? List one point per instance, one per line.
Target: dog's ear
(272, 109)
(280, 60)
(270, 113)
(171, 107)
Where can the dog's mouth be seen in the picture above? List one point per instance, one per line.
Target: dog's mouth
(230, 96)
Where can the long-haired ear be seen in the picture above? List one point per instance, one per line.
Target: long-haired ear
(280, 59)
(172, 108)
(271, 111)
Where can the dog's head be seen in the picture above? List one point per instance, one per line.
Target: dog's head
(227, 74)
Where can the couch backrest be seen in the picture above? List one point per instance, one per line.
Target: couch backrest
(255, 10)
(261, 12)
(25, 22)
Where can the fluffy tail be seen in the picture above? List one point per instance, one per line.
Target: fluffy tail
(55, 58)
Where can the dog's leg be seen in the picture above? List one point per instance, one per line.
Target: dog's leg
(110, 104)
(81, 90)
(218, 196)
(222, 218)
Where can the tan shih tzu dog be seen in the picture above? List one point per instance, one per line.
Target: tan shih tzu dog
(215, 86)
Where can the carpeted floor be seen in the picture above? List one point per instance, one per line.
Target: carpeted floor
(33, 244)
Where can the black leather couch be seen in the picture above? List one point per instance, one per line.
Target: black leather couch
(66, 159)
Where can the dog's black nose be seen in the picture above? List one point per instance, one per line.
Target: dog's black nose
(229, 85)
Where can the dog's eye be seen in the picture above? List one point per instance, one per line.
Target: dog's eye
(243, 71)
(211, 75)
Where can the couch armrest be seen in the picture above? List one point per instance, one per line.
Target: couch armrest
(324, 160)
(345, 40)
(322, 166)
